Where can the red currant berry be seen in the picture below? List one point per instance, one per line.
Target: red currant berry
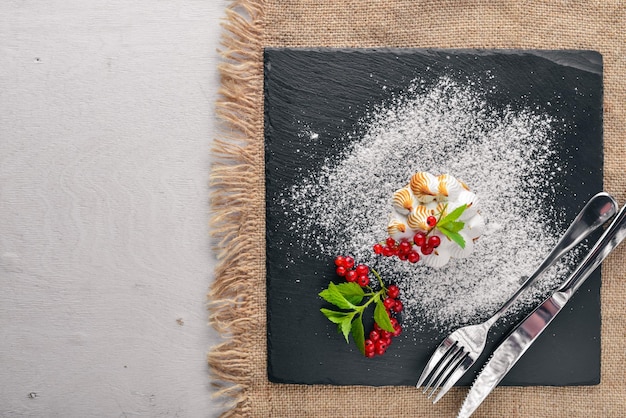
(413, 257)
(370, 354)
(419, 239)
(431, 221)
(378, 249)
(374, 335)
(381, 347)
(403, 256)
(397, 330)
(341, 271)
(385, 335)
(348, 262)
(340, 261)
(376, 328)
(387, 251)
(405, 247)
(427, 249)
(351, 276)
(394, 322)
(390, 242)
(362, 269)
(387, 341)
(369, 345)
(434, 241)
(398, 306)
(389, 302)
(363, 280)
(393, 291)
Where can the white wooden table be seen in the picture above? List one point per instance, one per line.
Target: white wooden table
(106, 119)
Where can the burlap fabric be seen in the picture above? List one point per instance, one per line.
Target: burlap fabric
(237, 299)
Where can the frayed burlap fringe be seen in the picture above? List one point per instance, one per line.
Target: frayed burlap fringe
(236, 183)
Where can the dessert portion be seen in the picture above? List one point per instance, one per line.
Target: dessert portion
(433, 219)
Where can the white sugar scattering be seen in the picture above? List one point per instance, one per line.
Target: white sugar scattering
(505, 156)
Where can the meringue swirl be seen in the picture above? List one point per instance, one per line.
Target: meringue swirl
(429, 196)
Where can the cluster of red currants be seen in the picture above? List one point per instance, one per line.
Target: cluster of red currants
(359, 275)
(379, 340)
(407, 250)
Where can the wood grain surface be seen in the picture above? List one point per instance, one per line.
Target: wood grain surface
(106, 119)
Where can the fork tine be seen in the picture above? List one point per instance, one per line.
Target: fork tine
(450, 366)
(463, 366)
(440, 372)
(439, 353)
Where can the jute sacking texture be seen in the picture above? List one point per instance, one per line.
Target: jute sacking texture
(237, 299)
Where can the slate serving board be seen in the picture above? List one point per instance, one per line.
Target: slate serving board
(328, 91)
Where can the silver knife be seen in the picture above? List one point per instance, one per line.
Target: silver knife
(515, 345)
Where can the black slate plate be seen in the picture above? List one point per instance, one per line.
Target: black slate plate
(329, 92)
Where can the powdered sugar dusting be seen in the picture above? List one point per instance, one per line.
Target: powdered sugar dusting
(505, 156)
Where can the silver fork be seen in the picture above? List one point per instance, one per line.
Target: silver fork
(460, 350)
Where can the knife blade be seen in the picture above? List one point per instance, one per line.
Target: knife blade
(524, 335)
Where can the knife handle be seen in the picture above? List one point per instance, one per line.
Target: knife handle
(610, 239)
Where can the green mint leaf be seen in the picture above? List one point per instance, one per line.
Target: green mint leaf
(454, 226)
(454, 236)
(381, 317)
(352, 292)
(358, 334)
(335, 316)
(452, 216)
(346, 326)
(333, 295)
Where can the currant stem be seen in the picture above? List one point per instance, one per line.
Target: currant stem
(373, 297)
(380, 280)
(438, 219)
(442, 212)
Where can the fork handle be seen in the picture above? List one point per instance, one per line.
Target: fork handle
(599, 209)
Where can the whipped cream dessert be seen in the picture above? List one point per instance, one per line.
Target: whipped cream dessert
(419, 214)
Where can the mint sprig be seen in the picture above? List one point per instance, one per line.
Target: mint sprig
(381, 317)
(358, 334)
(349, 297)
(344, 295)
(450, 227)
